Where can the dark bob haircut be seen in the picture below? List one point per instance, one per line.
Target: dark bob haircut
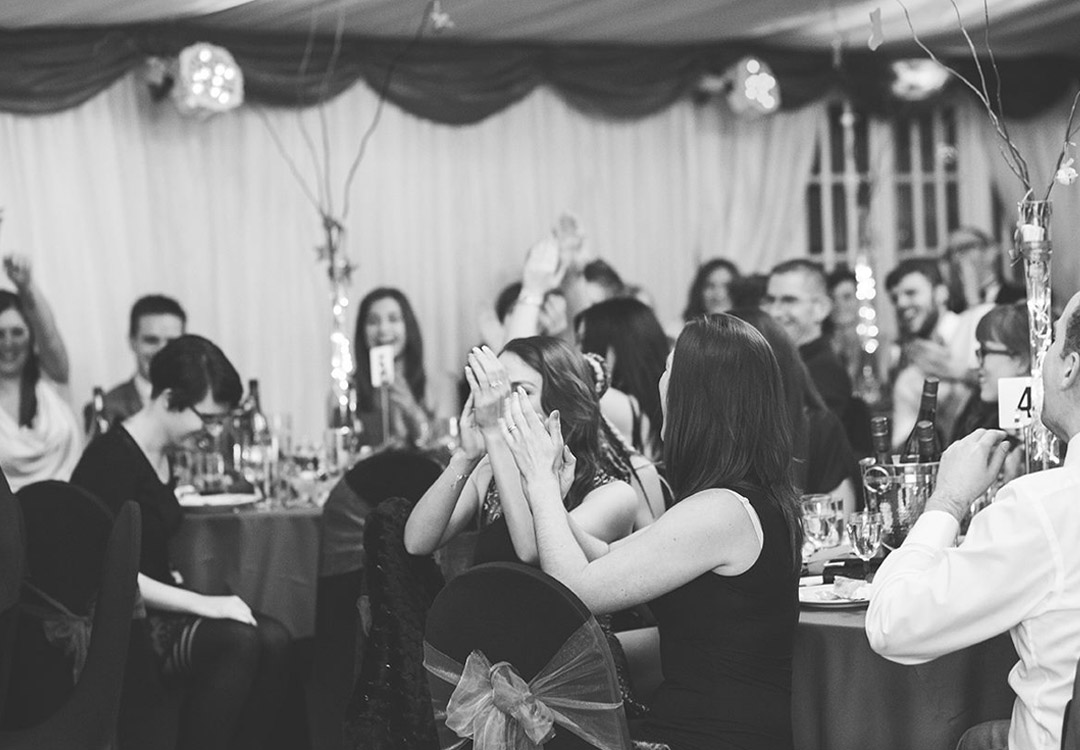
(192, 367)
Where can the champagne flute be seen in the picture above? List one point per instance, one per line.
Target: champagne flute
(865, 530)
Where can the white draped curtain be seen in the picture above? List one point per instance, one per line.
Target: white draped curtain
(122, 197)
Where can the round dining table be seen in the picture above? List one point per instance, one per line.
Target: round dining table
(268, 556)
(846, 697)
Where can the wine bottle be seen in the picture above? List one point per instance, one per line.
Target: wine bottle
(260, 427)
(257, 459)
(928, 442)
(99, 422)
(879, 435)
(927, 413)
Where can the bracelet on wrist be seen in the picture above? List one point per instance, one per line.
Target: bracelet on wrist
(528, 298)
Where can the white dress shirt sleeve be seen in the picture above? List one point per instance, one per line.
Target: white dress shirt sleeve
(930, 598)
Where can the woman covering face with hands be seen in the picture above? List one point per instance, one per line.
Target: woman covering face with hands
(482, 478)
(720, 567)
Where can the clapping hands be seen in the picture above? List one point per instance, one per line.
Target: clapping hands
(536, 444)
(544, 268)
(472, 441)
(490, 385)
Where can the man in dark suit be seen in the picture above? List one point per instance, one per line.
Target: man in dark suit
(155, 320)
(797, 297)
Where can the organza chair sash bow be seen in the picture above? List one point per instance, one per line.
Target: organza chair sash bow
(63, 629)
(494, 707)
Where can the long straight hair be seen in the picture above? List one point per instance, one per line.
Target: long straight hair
(412, 356)
(630, 329)
(802, 395)
(28, 380)
(726, 424)
(567, 385)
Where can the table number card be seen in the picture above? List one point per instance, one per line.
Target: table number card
(1014, 403)
(382, 365)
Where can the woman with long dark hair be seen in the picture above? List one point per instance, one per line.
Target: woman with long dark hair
(480, 481)
(39, 434)
(710, 292)
(627, 335)
(386, 318)
(481, 477)
(721, 566)
(233, 663)
(823, 459)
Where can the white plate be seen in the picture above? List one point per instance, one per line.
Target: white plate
(226, 500)
(824, 596)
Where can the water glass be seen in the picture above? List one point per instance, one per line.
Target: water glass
(865, 530)
(821, 520)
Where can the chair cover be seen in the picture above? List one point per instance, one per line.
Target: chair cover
(390, 707)
(87, 719)
(388, 474)
(513, 613)
(12, 568)
(1070, 730)
(361, 490)
(67, 530)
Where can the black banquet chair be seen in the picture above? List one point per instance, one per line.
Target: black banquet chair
(12, 567)
(364, 487)
(1070, 730)
(512, 613)
(87, 714)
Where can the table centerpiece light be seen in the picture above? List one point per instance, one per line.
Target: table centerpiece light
(341, 402)
(1031, 238)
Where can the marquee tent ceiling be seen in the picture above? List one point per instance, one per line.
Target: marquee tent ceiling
(1019, 27)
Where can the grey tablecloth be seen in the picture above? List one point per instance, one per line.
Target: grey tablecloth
(269, 558)
(846, 697)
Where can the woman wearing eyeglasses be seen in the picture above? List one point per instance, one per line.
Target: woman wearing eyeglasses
(233, 664)
(1004, 352)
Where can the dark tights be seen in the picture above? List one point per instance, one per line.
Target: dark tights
(235, 678)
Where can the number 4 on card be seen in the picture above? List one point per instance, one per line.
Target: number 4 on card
(1015, 405)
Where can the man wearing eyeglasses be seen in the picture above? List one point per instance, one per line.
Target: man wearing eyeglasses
(1016, 571)
(797, 297)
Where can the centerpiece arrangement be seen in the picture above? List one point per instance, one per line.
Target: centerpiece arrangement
(1031, 238)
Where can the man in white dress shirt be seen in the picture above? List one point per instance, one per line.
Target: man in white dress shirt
(1018, 569)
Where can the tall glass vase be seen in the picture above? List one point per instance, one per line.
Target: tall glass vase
(342, 398)
(1033, 245)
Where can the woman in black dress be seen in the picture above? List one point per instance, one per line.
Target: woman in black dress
(233, 663)
(721, 567)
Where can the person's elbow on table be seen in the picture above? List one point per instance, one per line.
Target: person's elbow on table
(890, 635)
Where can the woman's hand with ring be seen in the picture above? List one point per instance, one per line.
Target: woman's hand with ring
(488, 382)
(537, 447)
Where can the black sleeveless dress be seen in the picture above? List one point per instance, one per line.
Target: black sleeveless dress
(725, 651)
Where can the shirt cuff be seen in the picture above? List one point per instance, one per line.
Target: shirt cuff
(935, 528)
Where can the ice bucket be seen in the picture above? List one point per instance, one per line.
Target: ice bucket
(899, 491)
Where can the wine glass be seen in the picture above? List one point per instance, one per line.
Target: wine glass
(865, 529)
(819, 521)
